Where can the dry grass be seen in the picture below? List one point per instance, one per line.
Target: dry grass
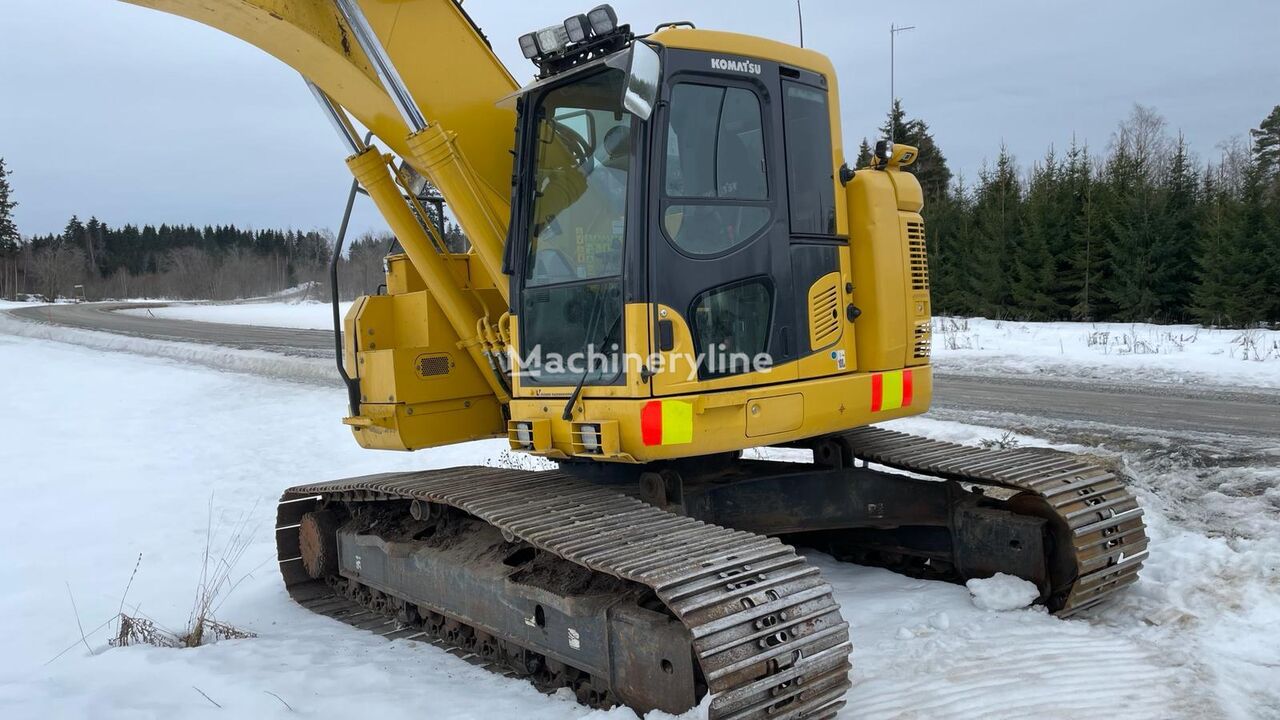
(218, 579)
(1253, 345)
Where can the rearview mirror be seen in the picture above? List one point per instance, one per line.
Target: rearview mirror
(643, 74)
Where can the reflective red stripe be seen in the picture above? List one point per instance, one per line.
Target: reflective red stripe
(906, 388)
(651, 422)
(877, 392)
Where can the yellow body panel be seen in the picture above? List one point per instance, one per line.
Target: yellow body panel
(724, 422)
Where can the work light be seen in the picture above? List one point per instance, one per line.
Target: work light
(552, 39)
(603, 19)
(529, 45)
(577, 28)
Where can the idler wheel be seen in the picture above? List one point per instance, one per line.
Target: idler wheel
(318, 541)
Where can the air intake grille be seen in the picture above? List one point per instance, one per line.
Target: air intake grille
(918, 256)
(824, 312)
(923, 340)
(432, 365)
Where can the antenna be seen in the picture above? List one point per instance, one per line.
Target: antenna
(800, 16)
(893, 96)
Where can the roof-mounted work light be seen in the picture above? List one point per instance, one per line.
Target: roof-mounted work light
(603, 19)
(552, 39)
(529, 45)
(577, 27)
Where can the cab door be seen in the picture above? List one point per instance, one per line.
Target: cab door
(720, 271)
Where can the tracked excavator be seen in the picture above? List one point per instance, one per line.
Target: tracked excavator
(670, 266)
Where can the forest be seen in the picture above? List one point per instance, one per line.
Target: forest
(1142, 230)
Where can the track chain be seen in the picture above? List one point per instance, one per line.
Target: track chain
(1083, 501)
(765, 626)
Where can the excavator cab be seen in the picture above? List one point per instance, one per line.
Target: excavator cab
(680, 255)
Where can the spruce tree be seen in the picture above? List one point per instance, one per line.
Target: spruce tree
(1266, 145)
(997, 226)
(1132, 216)
(10, 241)
(1174, 244)
(1081, 254)
(1217, 229)
(864, 155)
(73, 234)
(1034, 280)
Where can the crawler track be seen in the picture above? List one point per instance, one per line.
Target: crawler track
(1082, 501)
(765, 628)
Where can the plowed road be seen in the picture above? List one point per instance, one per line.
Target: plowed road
(1159, 409)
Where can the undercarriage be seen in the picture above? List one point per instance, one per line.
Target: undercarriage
(654, 587)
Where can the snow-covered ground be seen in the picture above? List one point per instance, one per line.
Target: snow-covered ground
(303, 315)
(106, 456)
(1117, 352)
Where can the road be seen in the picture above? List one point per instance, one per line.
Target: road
(103, 316)
(1160, 409)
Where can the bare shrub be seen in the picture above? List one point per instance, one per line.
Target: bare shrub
(218, 579)
(1006, 441)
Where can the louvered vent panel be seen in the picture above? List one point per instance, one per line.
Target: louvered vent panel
(918, 256)
(824, 312)
(923, 340)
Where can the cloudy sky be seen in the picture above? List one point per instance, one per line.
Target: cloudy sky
(112, 110)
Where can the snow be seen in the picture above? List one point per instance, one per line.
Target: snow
(1002, 592)
(302, 315)
(1120, 352)
(112, 455)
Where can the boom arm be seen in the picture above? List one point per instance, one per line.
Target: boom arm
(447, 67)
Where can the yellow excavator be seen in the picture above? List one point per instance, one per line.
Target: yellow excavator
(669, 267)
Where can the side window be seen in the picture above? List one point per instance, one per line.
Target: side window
(715, 177)
(810, 174)
(731, 326)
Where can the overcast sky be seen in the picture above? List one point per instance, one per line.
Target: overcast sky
(136, 116)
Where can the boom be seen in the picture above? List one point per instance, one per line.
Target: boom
(447, 66)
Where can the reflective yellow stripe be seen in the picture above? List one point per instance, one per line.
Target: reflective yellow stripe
(892, 398)
(677, 422)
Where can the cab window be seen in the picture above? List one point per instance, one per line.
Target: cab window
(810, 173)
(715, 179)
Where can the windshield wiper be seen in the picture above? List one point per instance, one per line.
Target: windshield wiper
(597, 309)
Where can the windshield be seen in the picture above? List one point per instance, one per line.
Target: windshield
(581, 167)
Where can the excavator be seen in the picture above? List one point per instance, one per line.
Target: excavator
(679, 297)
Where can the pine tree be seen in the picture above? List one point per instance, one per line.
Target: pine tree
(1266, 145)
(1174, 243)
(947, 238)
(10, 240)
(1034, 280)
(1218, 231)
(996, 235)
(1132, 214)
(864, 155)
(1081, 255)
